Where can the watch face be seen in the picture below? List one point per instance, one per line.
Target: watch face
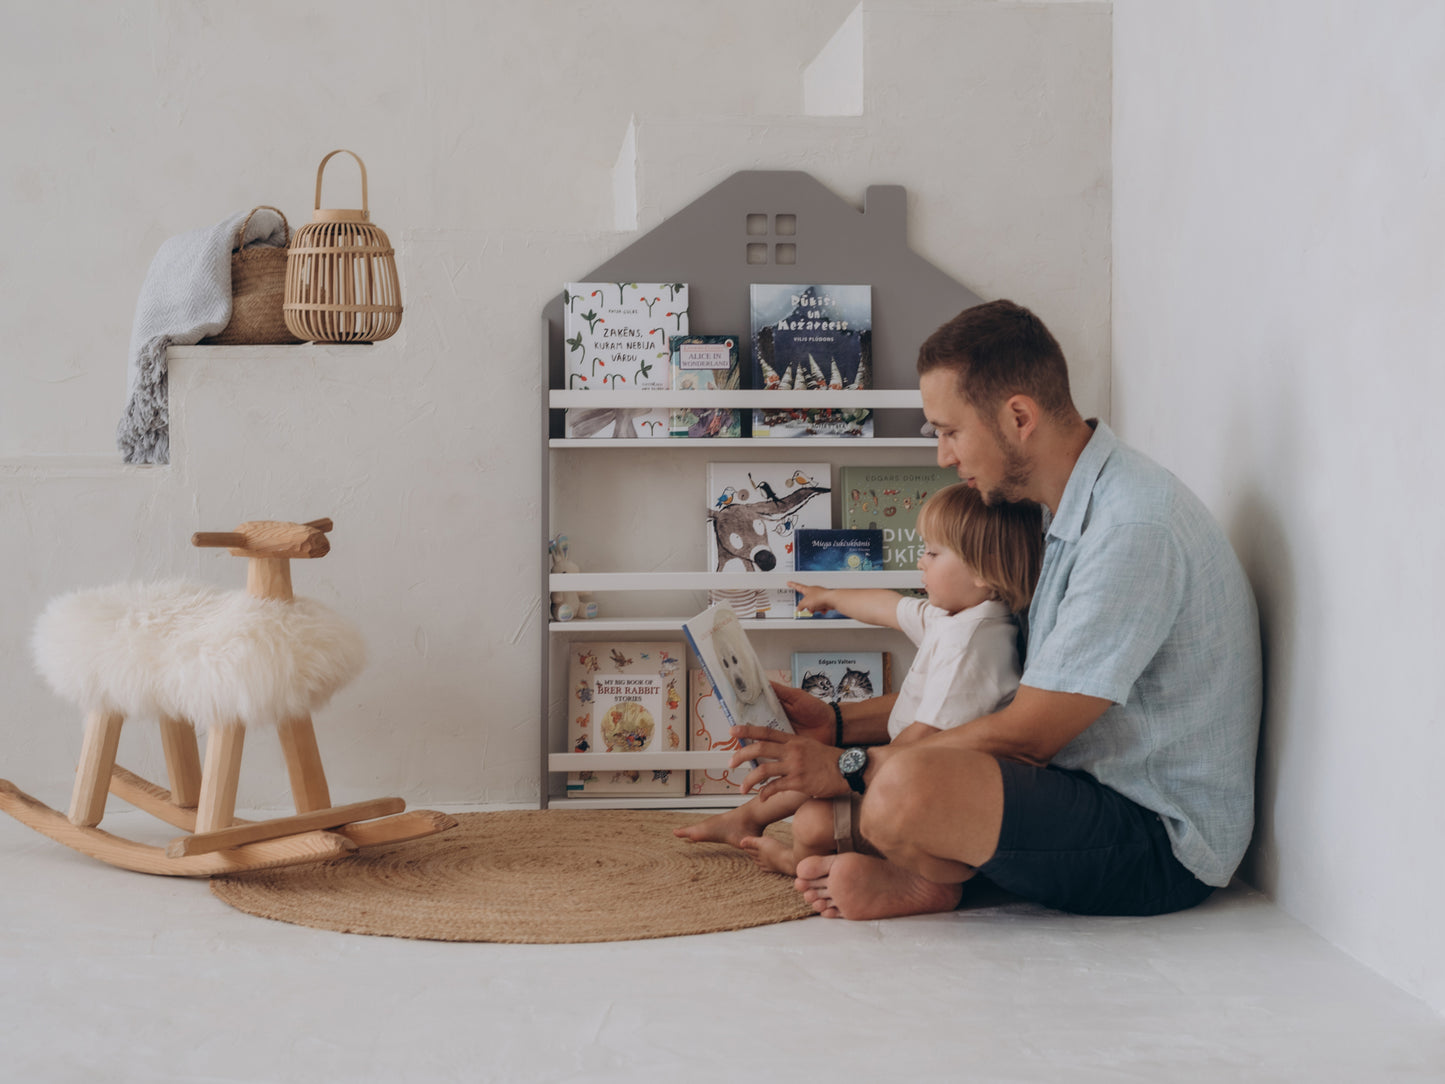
(852, 760)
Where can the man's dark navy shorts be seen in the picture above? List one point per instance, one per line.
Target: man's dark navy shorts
(1069, 842)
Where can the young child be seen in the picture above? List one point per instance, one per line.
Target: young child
(980, 564)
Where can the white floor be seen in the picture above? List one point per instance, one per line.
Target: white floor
(120, 977)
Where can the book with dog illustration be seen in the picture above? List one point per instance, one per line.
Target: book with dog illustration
(811, 338)
(834, 551)
(739, 682)
(626, 698)
(842, 676)
(753, 511)
(708, 729)
(617, 337)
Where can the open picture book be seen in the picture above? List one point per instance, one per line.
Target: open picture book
(738, 679)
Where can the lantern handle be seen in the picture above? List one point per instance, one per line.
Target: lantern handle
(322, 167)
(240, 240)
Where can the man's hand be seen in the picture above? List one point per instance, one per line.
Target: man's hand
(794, 762)
(811, 717)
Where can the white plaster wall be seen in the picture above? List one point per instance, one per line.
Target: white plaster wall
(491, 133)
(1279, 308)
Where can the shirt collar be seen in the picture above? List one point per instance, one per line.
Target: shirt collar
(1068, 524)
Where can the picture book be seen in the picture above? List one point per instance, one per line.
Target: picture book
(835, 551)
(705, 363)
(841, 676)
(739, 682)
(709, 730)
(753, 512)
(888, 498)
(626, 697)
(811, 338)
(616, 336)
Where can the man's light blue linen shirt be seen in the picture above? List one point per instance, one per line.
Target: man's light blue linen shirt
(1142, 601)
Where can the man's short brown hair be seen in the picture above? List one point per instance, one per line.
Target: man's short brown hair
(997, 350)
(1002, 542)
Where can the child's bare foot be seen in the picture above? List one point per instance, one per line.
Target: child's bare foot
(858, 886)
(731, 827)
(771, 855)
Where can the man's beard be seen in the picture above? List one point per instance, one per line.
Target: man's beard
(1014, 483)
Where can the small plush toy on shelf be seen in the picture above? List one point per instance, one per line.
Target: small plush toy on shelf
(567, 604)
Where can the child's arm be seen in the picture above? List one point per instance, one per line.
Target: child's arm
(873, 605)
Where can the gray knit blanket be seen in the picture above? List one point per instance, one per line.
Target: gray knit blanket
(185, 297)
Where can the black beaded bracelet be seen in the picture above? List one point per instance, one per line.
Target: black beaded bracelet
(838, 729)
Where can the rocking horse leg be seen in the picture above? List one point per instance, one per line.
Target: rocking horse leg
(220, 777)
(183, 761)
(92, 776)
(303, 762)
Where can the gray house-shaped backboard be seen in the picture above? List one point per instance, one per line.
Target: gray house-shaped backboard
(773, 226)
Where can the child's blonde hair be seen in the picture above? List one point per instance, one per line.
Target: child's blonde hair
(1003, 542)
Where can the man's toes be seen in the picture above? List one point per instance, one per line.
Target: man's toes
(815, 867)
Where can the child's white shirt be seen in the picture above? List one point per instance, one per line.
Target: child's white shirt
(967, 664)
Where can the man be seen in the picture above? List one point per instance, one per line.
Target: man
(1120, 779)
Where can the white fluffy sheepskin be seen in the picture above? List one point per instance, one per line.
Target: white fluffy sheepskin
(195, 653)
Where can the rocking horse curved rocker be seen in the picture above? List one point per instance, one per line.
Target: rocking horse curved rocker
(224, 661)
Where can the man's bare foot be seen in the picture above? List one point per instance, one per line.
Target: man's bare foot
(858, 886)
(731, 827)
(771, 855)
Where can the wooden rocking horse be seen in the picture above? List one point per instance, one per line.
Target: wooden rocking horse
(224, 661)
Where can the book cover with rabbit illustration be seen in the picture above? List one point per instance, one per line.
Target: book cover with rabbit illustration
(626, 698)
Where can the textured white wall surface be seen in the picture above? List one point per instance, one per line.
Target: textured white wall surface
(493, 134)
(1279, 308)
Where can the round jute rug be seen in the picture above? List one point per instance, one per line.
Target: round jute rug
(544, 877)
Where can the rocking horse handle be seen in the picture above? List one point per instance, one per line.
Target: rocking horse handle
(270, 539)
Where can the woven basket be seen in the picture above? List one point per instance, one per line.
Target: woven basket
(341, 284)
(258, 288)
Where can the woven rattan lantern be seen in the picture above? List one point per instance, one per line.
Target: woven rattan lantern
(341, 284)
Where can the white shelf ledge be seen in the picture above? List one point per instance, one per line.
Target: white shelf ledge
(878, 399)
(706, 581)
(673, 444)
(685, 803)
(674, 624)
(676, 760)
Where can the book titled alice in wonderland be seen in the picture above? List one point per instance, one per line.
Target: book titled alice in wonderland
(705, 363)
(811, 338)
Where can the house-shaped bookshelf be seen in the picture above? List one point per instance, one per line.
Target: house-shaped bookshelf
(754, 228)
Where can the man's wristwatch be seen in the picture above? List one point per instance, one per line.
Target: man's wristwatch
(852, 763)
